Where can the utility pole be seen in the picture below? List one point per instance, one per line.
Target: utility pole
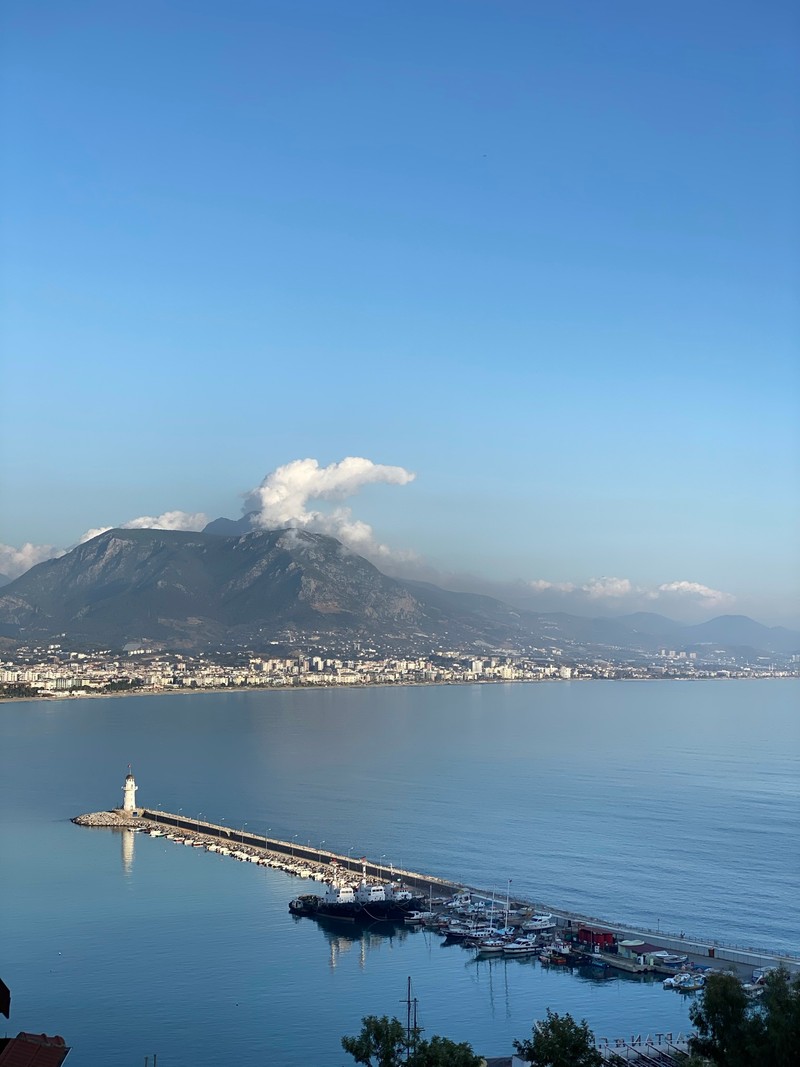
(412, 1030)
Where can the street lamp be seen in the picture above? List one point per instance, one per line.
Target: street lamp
(294, 838)
(322, 842)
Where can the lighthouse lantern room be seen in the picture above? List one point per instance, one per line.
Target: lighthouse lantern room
(129, 792)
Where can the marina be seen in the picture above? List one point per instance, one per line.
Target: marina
(463, 913)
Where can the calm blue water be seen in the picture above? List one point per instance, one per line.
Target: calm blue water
(673, 804)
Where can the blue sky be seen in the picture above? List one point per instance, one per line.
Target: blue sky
(542, 255)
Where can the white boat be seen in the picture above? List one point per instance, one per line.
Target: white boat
(521, 946)
(685, 982)
(491, 945)
(537, 923)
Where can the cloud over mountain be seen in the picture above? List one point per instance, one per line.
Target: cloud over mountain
(283, 497)
(168, 520)
(15, 561)
(304, 495)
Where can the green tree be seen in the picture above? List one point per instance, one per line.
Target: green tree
(558, 1041)
(780, 1019)
(381, 1043)
(441, 1052)
(384, 1042)
(734, 1031)
(721, 1017)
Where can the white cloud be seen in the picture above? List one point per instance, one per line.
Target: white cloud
(283, 497)
(602, 588)
(618, 593)
(168, 520)
(15, 561)
(694, 590)
(541, 586)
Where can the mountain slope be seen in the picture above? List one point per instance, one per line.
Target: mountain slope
(196, 589)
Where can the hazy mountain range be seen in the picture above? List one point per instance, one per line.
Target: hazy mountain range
(227, 588)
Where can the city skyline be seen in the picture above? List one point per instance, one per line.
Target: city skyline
(541, 259)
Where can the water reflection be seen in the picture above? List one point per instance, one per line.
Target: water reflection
(345, 938)
(127, 850)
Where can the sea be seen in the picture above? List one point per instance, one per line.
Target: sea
(670, 804)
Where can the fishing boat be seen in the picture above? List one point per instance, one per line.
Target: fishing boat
(367, 902)
(685, 982)
(488, 946)
(669, 959)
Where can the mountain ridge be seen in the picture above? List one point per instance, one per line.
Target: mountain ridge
(211, 589)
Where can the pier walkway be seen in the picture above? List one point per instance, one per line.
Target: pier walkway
(701, 951)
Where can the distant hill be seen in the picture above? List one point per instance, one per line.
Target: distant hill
(740, 631)
(223, 589)
(649, 622)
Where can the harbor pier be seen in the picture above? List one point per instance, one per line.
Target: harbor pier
(323, 864)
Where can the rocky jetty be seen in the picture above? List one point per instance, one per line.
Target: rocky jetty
(108, 818)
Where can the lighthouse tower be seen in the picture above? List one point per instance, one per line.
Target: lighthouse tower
(129, 792)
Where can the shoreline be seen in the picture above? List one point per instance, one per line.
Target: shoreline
(199, 690)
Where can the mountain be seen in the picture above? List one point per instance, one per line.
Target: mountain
(739, 631)
(224, 589)
(230, 527)
(195, 590)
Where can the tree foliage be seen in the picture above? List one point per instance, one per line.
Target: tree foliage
(735, 1031)
(441, 1052)
(381, 1043)
(558, 1041)
(384, 1042)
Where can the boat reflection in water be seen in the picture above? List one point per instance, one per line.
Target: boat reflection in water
(355, 938)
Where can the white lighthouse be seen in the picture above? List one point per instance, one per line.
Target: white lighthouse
(129, 792)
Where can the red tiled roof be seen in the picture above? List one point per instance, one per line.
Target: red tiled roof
(33, 1050)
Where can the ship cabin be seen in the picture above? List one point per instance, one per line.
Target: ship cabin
(367, 894)
(339, 894)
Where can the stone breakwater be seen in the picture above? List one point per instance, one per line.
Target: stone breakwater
(117, 818)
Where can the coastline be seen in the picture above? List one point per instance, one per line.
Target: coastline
(51, 697)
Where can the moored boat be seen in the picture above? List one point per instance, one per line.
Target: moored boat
(538, 923)
(366, 902)
(521, 946)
